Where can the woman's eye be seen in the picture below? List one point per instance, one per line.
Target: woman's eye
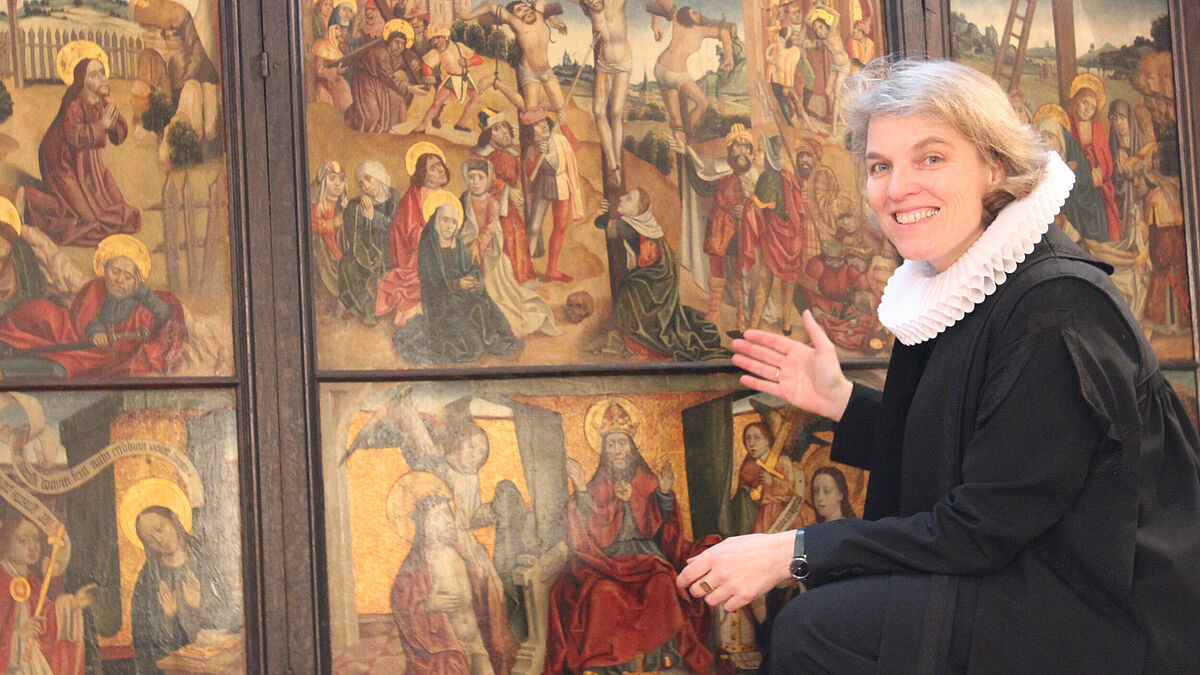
(877, 167)
(933, 159)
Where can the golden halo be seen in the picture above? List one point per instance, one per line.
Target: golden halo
(353, 5)
(72, 53)
(416, 150)
(404, 496)
(9, 215)
(438, 199)
(122, 245)
(1054, 111)
(152, 492)
(1091, 82)
(591, 422)
(398, 26)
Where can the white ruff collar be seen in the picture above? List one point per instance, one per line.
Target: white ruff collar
(919, 302)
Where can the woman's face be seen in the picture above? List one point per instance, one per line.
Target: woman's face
(926, 183)
(158, 533)
(477, 182)
(1085, 109)
(25, 544)
(370, 187)
(446, 224)
(756, 442)
(827, 498)
(1121, 124)
(335, 185)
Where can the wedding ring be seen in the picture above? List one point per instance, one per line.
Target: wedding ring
(777, 372)
(705, 586)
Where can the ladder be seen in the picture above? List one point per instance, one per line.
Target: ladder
(1018, 25)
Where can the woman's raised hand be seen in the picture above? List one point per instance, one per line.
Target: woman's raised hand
(806, 376)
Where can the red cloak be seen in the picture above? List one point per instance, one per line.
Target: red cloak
(604, 611)
(78, 202)
(63, 656)
(41, 323)
(400, 287)
(429, 640)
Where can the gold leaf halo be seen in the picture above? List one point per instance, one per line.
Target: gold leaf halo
(438, 199)
(9, 215)
(72, 53)
(416, 150)
(595, 415)
(353, 5)
(404, 496)
(1091, 82)
(152, 492)
(398, 26)
(127, 245)
(1051, 110)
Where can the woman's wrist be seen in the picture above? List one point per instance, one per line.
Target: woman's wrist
(840, 399)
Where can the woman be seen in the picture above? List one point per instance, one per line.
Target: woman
(177, 593)
(1033, 504)
(830, 495)
(459, 323)
(366, 221)
(328, 195)
(1087, 128)
(527, 312)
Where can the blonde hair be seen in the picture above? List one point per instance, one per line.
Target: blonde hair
(957, 95)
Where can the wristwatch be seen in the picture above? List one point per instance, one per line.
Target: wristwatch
(799, 566)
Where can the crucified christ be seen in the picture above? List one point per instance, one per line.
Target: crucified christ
(530, 24)
(614, 60)
(689, 30)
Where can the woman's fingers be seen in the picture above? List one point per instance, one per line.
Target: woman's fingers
(815, 333)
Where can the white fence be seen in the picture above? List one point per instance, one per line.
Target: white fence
(39, 47)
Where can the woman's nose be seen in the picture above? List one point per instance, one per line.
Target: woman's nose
(901, 183)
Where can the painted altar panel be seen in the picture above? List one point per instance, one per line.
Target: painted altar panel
(114, 247)
(131, 500)
(620, 182)
(537, 525)
(1097, 78)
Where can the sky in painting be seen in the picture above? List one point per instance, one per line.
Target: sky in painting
(1096, 21)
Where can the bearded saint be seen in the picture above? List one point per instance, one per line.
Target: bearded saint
(616, 607)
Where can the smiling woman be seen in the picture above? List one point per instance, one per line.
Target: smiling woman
(1034, 502)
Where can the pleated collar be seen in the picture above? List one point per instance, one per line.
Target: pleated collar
(919, 302)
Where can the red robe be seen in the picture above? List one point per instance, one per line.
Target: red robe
(78, 202)
(506, 172)
(722, 226)
(63, 656)
(400, 288)
(41, 323)
(428, 637)
(779, 232)
(1099, 155)
(604, 611)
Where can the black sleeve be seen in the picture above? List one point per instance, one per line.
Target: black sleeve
(854, 434)
(1026, 461)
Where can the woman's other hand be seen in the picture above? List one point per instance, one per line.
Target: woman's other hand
(739, 569)
(806, 376)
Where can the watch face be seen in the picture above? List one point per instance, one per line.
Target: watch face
(799, 568)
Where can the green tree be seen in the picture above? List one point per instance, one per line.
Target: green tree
(185, 145)
(159, 113)
(6, 103)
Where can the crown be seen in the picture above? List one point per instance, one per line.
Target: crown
(616, 419)
(738, 134)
